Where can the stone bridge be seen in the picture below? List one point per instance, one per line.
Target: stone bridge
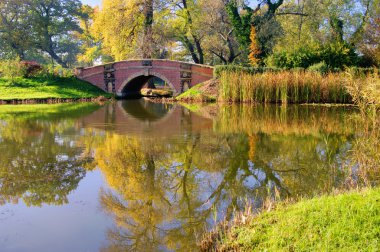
(126, 78)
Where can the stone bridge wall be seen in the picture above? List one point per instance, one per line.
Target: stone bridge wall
(115, 77)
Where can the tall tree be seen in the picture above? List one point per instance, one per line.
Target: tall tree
(254, 48)
(53, 23)
(369, 45)
(148, 29)
(219, 39)
(127, 28)
(14, 27)
(262, 18)
(187, 29)
(90, 47)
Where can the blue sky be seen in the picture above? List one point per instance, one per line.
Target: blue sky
(92, 2)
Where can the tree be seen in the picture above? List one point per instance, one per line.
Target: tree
(14, 27)
(262, 18)
(53, 23)
(369, 45)
(127, 29)
(254, 48)
(90, 47)
(148, 29)
(317, 31)
(187, 29)
(219, 39)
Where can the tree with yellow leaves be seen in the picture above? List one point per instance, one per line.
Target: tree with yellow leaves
(254, 48)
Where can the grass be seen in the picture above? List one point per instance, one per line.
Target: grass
(197, 94)
(284, 87)
(346, 222)
(47, 88)
(365, 90)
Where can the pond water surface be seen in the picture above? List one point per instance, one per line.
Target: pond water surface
(141, 176)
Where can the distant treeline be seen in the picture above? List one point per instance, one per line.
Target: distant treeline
(275, 34)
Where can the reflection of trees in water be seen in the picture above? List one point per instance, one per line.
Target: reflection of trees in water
(164, 192)
(37, 163)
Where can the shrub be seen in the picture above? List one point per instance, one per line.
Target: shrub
(320, 67)
(53, 71)
(364, 89)
(218, 70)
(12, 69)
(335, 55)
(32, 68)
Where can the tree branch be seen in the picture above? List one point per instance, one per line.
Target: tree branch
(292, 13)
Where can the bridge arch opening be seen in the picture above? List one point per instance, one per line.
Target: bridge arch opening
(141, 85)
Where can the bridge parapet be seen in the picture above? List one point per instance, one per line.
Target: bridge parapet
(128, 76)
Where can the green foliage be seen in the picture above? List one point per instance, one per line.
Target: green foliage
(241, 23)
(12, 69)
(218, 70)
(338, 55)
(300, 57)
(320, 67)
(335, 55)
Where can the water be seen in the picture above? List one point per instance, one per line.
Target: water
(141, 176)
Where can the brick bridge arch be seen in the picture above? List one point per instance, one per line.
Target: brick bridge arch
(128, 77)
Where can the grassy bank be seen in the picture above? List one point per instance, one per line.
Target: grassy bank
(347, 222)
(204, 92)
(47, 88)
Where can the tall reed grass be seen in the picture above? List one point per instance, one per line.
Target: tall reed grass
(284, 87)
(364, 90)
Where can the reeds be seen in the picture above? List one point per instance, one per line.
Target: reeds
(284, 87)
(364, 90)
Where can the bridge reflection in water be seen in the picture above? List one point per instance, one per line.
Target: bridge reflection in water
(142, 116)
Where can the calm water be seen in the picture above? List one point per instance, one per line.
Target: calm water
(151, 177)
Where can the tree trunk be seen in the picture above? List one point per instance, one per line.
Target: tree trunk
(148, 30)
(195, 48)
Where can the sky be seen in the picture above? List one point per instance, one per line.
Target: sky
(92, 2)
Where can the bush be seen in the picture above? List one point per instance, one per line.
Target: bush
(32, 68)
(335, 55)
(218, 70)
(320, 67)
(12, 69)
(53, 71)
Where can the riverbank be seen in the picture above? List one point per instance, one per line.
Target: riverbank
(348, 222)
(48, 90)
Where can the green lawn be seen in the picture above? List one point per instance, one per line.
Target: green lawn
(45, 88)
(347, 222)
